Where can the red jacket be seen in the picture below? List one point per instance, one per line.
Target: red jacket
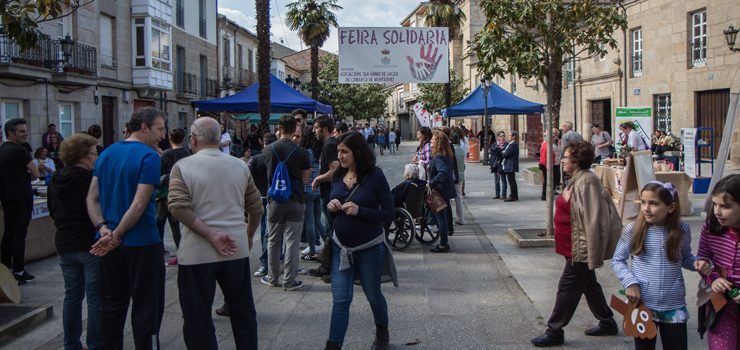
(543, 154)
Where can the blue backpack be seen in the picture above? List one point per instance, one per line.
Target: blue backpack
(281, 187)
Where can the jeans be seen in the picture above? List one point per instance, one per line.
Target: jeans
(263, 233)
(500, 180)
(133, 274)
(368, 264)
(459, 211)
(442, 224)
(17, 216)
(81, 272)
(174, 227)
(392, 147)
(197, 286)
(312, 219)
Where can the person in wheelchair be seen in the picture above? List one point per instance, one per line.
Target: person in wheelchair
(411, 177)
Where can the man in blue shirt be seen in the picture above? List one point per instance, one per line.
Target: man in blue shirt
(121, 205)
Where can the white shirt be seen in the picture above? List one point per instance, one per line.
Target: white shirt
(636, 141)
(224, 138)
(391, 137)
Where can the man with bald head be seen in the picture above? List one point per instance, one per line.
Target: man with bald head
(211, 194)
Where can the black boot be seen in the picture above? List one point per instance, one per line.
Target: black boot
(332, 346)
(381, 337)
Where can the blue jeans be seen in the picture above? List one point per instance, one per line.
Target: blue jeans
(500, 180)
(263, 234)
(81, 272)
(442, 224)
(369, 264)
(328, 222)
(312, 217)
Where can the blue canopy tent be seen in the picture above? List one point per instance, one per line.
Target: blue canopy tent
(283, 99)
(500, 101)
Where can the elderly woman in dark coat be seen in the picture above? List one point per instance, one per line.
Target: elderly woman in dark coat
(511, 165)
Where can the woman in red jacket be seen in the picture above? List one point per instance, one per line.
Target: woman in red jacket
(543, 167)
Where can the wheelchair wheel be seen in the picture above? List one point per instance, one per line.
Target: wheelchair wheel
(400, 232)
(426, 232)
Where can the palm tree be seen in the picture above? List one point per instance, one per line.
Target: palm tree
(313, 20)
(263, 62)
(445, 13)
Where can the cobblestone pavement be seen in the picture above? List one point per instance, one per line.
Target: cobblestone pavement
(471, 298)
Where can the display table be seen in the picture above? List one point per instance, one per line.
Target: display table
(611, 177)
(41, 232)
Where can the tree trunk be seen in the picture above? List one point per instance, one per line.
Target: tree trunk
(263, 62)
(448, 97)
(548, 118)
(557, 96)
(315, 72)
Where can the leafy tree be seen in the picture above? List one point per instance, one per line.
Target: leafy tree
(446, 13)
(433, 96)
(313, 20)
(20, 19)
(263, 62)
(533, 38)
(360, 101)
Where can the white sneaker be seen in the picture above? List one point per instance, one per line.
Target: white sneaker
(306, 251)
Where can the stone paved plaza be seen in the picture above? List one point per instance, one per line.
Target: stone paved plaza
(484, 294)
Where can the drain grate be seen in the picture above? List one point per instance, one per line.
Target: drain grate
(11, 313)
(531, 233)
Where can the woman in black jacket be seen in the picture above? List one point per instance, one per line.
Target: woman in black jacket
(441, 178)
(75, 236)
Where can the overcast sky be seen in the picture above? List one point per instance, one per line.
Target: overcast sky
(356, 13)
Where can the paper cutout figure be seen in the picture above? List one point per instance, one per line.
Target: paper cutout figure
(638, 320)
(704, 294)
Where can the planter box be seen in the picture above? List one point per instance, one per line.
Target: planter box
(532, 178)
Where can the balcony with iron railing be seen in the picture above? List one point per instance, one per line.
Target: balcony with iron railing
(48, 53)
(246, 78)
(186, 83)
(211, 87)
(698, 53)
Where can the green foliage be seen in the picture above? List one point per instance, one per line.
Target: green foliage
(20, 19)
(445, 13)
(433, 95)
(361, 101)
(312, 19)
(530, 37)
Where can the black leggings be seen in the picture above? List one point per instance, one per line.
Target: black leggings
(672, 336)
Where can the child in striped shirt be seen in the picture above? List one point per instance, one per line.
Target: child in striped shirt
(659, 244)
(719, 248)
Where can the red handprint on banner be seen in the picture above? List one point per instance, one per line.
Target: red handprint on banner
(426, 67)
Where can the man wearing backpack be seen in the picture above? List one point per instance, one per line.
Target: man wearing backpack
(288, 170)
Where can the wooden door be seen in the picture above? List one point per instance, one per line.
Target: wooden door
(601, 114)
(534, 135)
(109, 120)
(710, 112)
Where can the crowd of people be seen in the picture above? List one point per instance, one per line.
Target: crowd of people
(322, 182)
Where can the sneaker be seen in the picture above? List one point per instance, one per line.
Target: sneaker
(302, 271)
(24, 277)
(267, 282)
(306, 251)
(295, 285)
(261, 271)
(308, 257)
(172, 262)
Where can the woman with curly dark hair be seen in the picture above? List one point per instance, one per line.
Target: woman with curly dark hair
(360, 202)
(74, 237)
(587, 229)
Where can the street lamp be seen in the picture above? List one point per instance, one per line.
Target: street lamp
(485, 83)
(67, 45)
(730, 37)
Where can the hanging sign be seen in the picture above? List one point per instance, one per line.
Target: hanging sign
(642, 117)
(392, 55)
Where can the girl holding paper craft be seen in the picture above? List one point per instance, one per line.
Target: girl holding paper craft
(718, 248)
(659, 244)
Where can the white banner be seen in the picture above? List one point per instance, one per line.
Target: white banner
(391, 55)
(422, 114)
(688, 139)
